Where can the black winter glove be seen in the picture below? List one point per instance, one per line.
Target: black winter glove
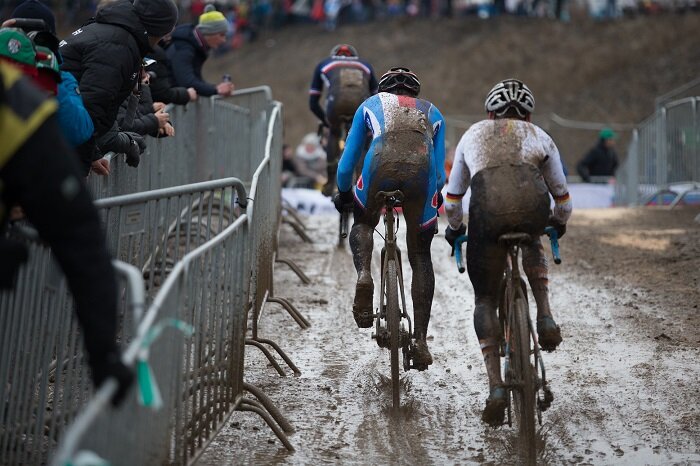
(111, 366)
(441, 200)
(452, 235)
(342, 200)
(560, 227)
(136, 147)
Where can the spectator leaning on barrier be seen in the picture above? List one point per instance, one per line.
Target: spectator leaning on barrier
(105, 57)
(190, 47)
(162, 86)
(601, 160)
(74, 120)
(39, 173)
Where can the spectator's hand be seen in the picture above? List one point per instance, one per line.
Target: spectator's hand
(158, 106)
(452, 235)
(136, 148)
(193, 93)
(111, 366)
(560, 227)
(342, 200)
(9, 23)
(163, 117)
(224, 88)
(167, 130)
(101, 167)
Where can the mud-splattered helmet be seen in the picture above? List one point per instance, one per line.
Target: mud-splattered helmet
(400, 78)
(510, 93)
(343, 50)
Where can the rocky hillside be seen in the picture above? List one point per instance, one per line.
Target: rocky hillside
(607, 72)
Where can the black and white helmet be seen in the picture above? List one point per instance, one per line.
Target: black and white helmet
(399, 78)
(510, 93)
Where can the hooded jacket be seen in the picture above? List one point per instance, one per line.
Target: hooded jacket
(105, 57)
(162, 87)
(187, 53)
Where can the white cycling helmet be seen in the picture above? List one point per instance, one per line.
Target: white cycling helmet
(510, 93)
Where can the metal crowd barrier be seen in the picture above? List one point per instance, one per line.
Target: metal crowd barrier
(44, 381)
(663, 158)
(205, 259)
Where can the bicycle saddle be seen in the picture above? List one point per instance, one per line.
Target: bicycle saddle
(391, 198)
(514, 238)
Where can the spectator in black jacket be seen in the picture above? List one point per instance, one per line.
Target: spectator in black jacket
(190, 48)
(161, 81)
(601, 160)
(105, 57)
(39, 173)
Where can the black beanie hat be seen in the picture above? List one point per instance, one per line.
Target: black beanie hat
(34, 9)
(158, 17)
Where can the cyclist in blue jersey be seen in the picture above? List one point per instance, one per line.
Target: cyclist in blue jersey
(348, 82)
(407, 152)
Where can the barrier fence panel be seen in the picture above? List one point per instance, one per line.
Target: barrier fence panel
(214, 138)
(663, 156)
(152, 230)
(44, 381)
(199, 376)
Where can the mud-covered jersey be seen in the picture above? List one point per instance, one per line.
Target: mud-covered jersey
(386, 114)
(347, 80)
(501, 142)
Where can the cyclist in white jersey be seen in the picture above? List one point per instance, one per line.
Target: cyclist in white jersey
(512, 166)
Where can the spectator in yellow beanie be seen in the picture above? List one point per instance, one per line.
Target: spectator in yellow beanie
(190, 47)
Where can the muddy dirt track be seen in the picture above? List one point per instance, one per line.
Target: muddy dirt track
(625, 380)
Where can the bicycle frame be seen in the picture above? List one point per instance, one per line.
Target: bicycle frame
(390, 251)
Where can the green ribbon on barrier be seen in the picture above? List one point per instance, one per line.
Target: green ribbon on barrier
(149, 393)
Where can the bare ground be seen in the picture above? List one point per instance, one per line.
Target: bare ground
(625, 379)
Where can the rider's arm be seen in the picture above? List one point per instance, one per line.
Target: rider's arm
(438, 123)
(457, 187)
(352, 152)
(315, 94)
(553, 174)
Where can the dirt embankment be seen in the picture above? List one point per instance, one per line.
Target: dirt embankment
(585, 70)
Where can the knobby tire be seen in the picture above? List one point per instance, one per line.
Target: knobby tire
(524, 395)
(393, 318)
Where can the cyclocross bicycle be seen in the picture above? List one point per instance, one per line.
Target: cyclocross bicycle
(393, 326)
(523, 369)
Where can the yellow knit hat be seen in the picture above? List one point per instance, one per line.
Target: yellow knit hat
(212, 21)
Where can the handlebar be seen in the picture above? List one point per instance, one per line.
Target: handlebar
(549, 231)
(554, 241)
(344, 223)
(458, 252)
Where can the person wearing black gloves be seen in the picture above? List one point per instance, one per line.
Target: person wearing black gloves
(407, 153)
(39, 173)
(128, 143)
(105, 57)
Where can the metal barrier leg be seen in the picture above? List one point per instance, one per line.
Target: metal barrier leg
(300, 273)
(296, 315)
(279, 350)
(250, 405)
(269, 405)
(267, 354)
(294, 213)
(298, 229)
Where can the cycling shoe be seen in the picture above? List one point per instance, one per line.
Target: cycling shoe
(362, 307)
(548, 333)
(495, 411)
(421, 356)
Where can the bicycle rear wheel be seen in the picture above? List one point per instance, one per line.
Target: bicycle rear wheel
(523, 375)
(393, 320)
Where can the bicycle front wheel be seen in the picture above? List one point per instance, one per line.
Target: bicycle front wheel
(393, 319)
(523, 375)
